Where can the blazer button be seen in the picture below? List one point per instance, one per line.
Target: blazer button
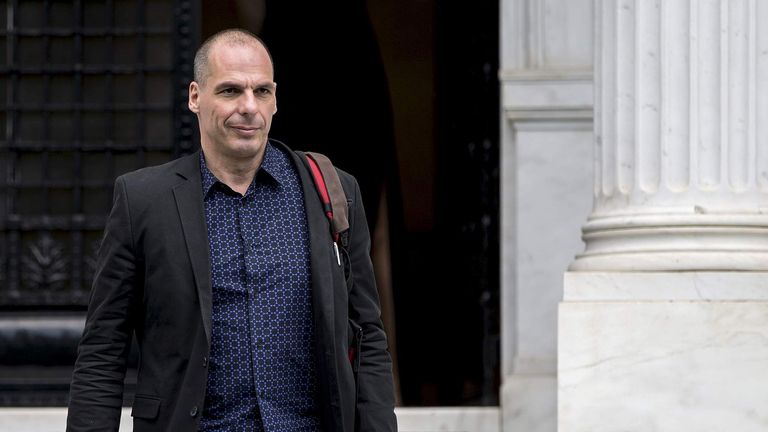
(193, 412)
(205, 361)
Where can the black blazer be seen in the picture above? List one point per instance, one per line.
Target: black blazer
(153, 278)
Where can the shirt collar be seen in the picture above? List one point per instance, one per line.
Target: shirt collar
(275, 164)
(208, 178)
(274, 167)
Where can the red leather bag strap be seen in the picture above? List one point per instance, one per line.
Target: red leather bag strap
(331, 193)
(322, 190)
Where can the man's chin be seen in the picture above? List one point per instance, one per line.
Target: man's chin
(245, 149)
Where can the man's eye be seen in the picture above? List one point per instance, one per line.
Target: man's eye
(263, 91)
(228, 91)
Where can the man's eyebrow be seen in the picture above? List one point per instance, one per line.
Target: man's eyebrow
(234, 84)
(227, 84)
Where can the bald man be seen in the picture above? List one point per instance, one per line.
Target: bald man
(248, 316)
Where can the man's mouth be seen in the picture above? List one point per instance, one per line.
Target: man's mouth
(244, 129)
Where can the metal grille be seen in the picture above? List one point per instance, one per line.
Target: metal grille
(89, 89)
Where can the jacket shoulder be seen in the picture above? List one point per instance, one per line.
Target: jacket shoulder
(150, 185)
(160, 175)
(348, 182)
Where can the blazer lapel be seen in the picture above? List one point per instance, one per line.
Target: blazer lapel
(189, 202)
(320, 250)
(322, 261)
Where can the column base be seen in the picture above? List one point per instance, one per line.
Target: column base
(676, 364)
(669, 239)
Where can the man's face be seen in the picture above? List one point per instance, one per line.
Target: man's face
(236, 102)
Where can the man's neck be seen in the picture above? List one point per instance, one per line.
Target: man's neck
(237, 173)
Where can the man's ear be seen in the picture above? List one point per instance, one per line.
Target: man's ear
(194, 97)
(275, 94)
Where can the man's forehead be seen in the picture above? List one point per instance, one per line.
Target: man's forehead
(241, 46)
(239, 56)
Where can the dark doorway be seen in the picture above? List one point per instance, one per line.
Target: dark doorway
(404, 95)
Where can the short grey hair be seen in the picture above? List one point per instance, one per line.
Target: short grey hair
(233, 36)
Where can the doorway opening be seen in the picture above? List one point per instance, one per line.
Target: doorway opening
(405, 96)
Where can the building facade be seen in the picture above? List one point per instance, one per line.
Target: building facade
(633, 236)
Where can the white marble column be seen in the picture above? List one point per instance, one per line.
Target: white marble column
(681, 127)
(664, 321)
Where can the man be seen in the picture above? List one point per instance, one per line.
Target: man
(223, 264)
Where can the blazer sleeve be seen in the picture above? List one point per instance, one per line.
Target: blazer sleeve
(375, 397)
(96, 390)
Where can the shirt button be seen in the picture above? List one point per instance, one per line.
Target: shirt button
(193, 411)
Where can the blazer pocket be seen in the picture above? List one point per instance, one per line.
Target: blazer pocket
(146, 407)
(355, 333)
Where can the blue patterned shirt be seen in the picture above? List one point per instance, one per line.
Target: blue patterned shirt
(262, 372)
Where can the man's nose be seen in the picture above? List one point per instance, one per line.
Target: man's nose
(249, 104)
